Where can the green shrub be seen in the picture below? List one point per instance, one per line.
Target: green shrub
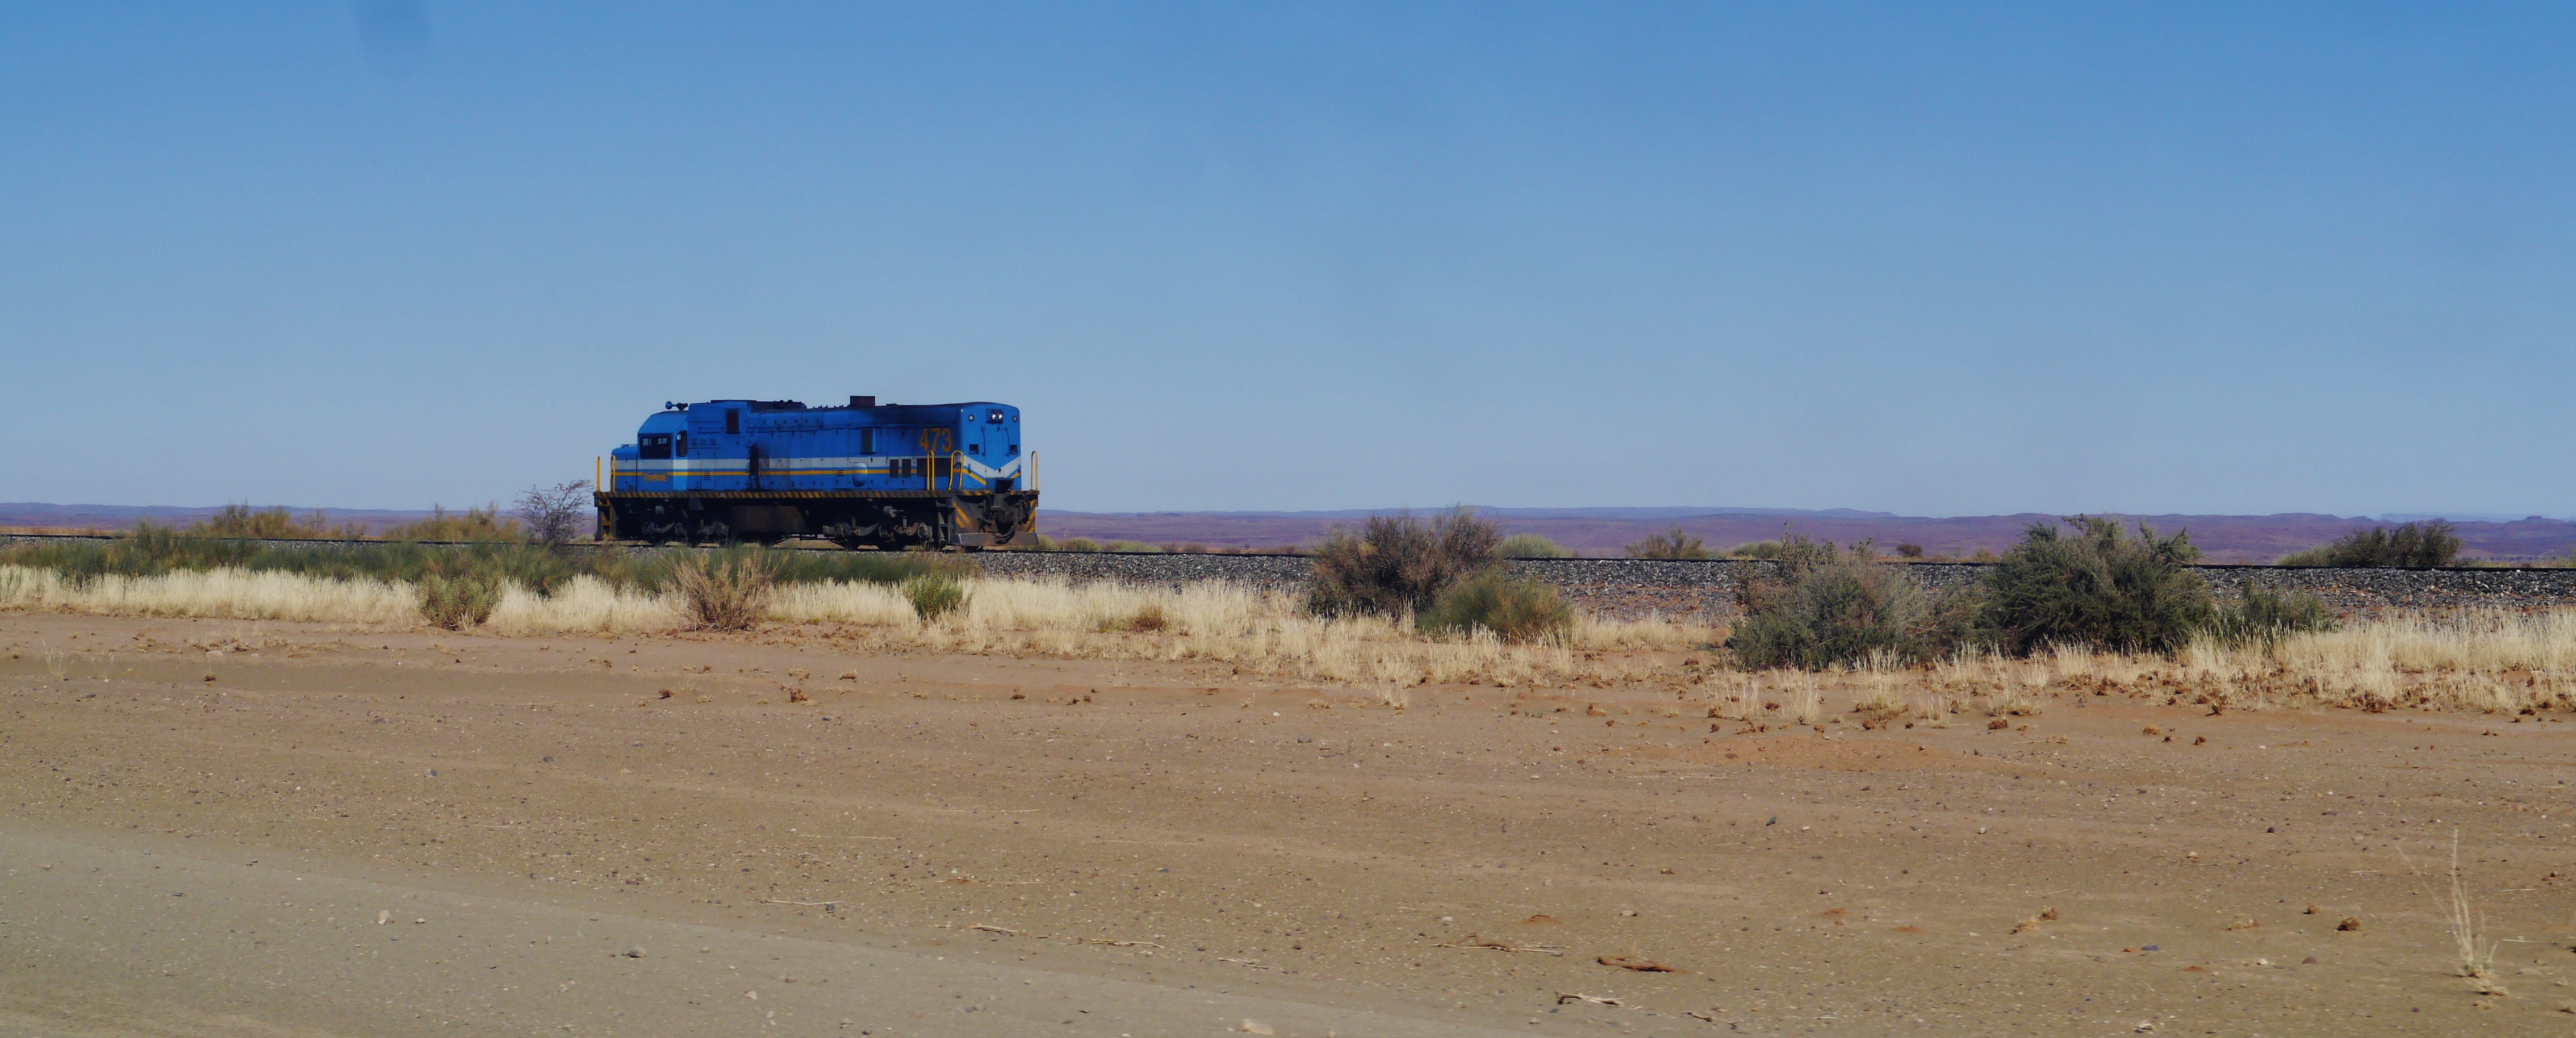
(459, 602)
(1514, 610)
(1078, 544)
(2097, 588)
(1757, 550)
(2409, 546)
(1531, 546)
(1671, 544)
(1828, 608)
(1399, 564)
(934, 595)
(1135, 546)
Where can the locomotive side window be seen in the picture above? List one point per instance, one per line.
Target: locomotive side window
(733, 421)
(655, 447)
(867, 441)
(680, 446)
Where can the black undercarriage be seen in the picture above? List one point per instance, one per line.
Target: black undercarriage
(888, 521)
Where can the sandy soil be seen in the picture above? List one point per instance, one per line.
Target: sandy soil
(934, 845)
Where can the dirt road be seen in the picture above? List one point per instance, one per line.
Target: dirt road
(918, 845)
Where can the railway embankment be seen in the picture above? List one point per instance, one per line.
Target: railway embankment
(1629, 587)
(1700, 587)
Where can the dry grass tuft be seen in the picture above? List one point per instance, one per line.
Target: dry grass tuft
(2475, 961)
(223, 593)
(586, 605)
(723, 591)
(1806, 700)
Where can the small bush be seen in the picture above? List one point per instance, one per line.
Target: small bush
(724, 590)
(1531, 546)
(556, 514)
(2264, 616)
(1909, 550)
(934, 595)
(2097, 588)
(1671, 544)
(270, 524)
(1828, 608)
(1078, 544)
(1514, 610)
(472, 524)
(1757, 550)
(1399, 564)
(1135, 546)
(457, 603)
(2409, 546)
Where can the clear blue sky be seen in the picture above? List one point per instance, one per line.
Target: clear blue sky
(1932, 260)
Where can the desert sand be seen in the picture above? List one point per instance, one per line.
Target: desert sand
(228, 828)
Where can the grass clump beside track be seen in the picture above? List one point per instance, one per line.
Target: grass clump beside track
(463, 585)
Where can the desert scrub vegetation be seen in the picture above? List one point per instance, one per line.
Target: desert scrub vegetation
(1670, 544)
(1513, 610)
(2087, 584)
(882, 602)
(2409, 546)
(1828, 607)
(472, 524)
(1532, 546)
(278, 523)
(2096, 587)
(1443, 577)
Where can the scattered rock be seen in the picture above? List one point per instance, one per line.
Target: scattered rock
(1631, 962)
(1252, 1026)
(633, 952)
(2152, 730)
(2349, 923)
(1997, 725)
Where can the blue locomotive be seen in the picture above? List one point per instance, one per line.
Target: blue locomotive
(866, 474)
